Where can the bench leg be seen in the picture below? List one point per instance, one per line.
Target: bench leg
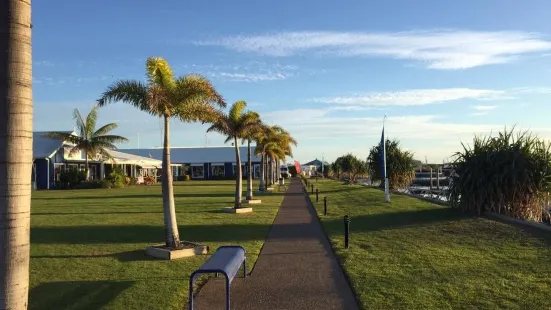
(245, 268)
(227, 294)
(191, 293)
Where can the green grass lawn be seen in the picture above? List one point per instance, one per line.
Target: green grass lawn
(88, 246)
(411, 254)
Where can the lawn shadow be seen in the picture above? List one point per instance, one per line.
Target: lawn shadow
(139, 196)
(77, 295)
(128, 256)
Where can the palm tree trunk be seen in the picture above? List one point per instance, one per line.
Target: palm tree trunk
(86, 168)
(249, 194)
(16, 142)
(267, 172)
(172, 235)
(239, 178)
(262, 173)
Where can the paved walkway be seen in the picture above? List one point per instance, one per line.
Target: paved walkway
(296, 268)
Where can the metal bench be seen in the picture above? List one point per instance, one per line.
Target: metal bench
(227, 260)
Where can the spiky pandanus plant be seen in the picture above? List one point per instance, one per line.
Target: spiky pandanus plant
(400, 167)
(236, 125)
(191, 98)
(508, 174)
(90, 141)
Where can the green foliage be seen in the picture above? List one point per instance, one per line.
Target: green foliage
(292, 170)
(183, 177)
(400, 165)
(114, 227)
(117, 178)
(349, 164)
(69, 178)
(90, 184)
(506, 174)
(411, 254)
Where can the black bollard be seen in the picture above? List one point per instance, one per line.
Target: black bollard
(317, 195)
(324, 205)
(346, 230)
(312, 189)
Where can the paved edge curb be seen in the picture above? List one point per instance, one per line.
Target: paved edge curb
(346, 277)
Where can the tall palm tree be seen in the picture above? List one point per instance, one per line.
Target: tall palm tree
(237, 124)
(191, 98)
(16, 126)
(273, 143)
(253, 135)
(90, 141)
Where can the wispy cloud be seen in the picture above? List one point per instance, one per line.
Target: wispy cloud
(253, 71)
(44, 63)
(485, 108)
(249, 77)
(418, 97)
(437, 49)
(413, 97)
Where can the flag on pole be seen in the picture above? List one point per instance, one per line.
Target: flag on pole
(383, 164)
(382, 154)
(297, 166)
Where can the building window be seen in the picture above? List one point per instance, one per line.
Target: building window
(218, 171)
(72, 166)
(58, 168)
(198, 172)
(93, 174)
(256, 169)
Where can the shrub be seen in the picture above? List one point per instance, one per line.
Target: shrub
(69, 178)
(117, 178)
(149, 180)
(89, 185)
(183, 178)
(505, 174)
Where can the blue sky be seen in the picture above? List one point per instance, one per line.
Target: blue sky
(327, 71)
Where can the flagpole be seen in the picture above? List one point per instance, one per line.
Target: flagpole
(387, 190)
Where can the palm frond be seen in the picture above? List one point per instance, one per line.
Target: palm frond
(132, 92)
(159, 72)
(196, 89)
(91, 120)
(105, 129)
(66, 137)
(236, 110)
(108, 139)
(81, 125)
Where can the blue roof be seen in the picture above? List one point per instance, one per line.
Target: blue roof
(44, 147)
(196, 155)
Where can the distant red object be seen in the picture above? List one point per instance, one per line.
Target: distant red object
(297, 166)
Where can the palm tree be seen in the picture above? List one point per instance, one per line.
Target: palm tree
(190, 98)
(237, 124)
(90, 141)
(16, 147)
(249, 137)
(273, 143)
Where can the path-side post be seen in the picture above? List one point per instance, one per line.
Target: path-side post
(317, 194)
(430, 186)
(346, 231)
(324, 205)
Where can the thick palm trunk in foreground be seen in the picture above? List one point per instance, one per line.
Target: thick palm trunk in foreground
(16, 126)
(239, 179)
(249, 194)
(172, 235)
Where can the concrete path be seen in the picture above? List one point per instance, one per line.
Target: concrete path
(296, 268)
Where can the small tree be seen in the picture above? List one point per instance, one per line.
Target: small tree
(400, 165)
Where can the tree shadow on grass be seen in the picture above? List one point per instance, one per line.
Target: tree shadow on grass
(128, 256)
(139, 196)
(77, 295)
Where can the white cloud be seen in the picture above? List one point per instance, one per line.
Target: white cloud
(438, 49)
(427, 135)
(485, 108)
(418, 97)
(249, 77)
